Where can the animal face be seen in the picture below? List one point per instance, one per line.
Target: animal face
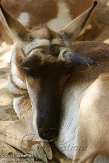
(46, 63)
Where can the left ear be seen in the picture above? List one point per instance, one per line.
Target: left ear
(13, 27)
(72, 30)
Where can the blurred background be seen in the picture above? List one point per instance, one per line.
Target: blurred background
(56, 14)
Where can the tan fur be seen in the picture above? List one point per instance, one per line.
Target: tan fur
(93, 121)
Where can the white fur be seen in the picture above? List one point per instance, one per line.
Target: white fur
(62, 18)
(16, 79)
(62, 50)
(69, 121)
(16, 104)
(24, 18)
(14, 89)
(35, 44)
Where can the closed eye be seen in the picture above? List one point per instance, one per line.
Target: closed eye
(30, 72)
(55, 50)
(45, 50)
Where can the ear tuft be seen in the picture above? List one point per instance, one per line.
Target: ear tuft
(95, 3)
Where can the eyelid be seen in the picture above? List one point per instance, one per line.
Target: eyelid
(55, 50)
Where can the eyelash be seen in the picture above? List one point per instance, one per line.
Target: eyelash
(30, 72)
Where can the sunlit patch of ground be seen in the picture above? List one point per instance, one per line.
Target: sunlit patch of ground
(106, 41)
(6, 108)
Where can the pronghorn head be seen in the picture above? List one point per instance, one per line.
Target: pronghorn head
(47, 60)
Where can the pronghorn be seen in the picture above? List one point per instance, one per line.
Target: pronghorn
(47, 79)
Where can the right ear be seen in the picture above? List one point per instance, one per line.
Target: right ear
(73, 29)
(13, 27)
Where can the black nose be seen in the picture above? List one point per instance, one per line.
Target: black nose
(48, 134)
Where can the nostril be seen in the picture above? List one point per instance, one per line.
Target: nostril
(48, 134)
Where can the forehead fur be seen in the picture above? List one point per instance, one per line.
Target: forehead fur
(43, 31)
(41, 36)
